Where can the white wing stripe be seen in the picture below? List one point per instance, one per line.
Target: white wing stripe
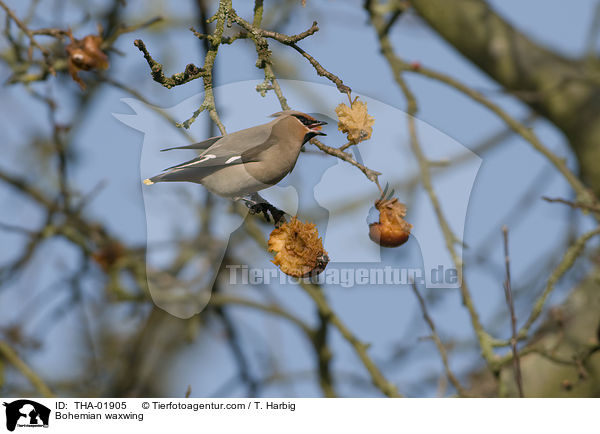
(205, 158)
(232, 159)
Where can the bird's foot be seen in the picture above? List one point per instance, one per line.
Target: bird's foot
(265, 208)
(258, 205)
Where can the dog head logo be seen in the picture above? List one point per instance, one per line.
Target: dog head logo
(26, 413)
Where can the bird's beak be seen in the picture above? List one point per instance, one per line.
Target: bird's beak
(315, 128)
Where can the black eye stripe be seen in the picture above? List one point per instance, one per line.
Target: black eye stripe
(305, 120)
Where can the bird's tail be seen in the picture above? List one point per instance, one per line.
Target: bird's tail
(178, 175)
(161, 177)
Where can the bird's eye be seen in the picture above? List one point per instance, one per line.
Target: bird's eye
(304, 120)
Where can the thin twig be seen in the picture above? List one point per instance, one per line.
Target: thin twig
(291, 41)
(31, 36)
(345, 156)
(123, 29)
(233, 341)
(143, 99)
(324, 356)
(12, 357)
(565, 264)
(439, 344)
(584, 206)
(190, 73)
(222, 17)
(272, 309)
(513, 317)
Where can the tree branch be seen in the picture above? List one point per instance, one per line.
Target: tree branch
(565, 91)
(12, 357)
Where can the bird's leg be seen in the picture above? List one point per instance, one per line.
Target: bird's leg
(279, 216)
(257, 204)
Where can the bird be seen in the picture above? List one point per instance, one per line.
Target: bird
(240, 164)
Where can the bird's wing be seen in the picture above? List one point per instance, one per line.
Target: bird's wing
(242, 141)
(205, 144)
(211, 160)
(236, 148)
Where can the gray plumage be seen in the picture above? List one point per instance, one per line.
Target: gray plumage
(249, 160)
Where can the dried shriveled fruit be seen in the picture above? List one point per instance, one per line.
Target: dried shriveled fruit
(299, 249)
(391, 230)
(85, 54)
(355, 121)
(108, 255)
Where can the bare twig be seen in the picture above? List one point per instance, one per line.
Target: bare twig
(272, 309)
(190, 73)
(291, 41)
(584, 206)
(143, 99)
(565, 264)
(12, 357)
(324, 356)
(233, 341)
(439, 344)
(31, 36)
(513, 317)
(123, 29)
(372, 175)
(222, 17)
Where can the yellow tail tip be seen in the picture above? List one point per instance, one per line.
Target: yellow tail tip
(148, 182)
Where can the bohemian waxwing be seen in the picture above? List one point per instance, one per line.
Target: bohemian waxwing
(244, 162)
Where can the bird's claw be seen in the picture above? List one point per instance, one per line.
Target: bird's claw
(266, 208)
(278, 217)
